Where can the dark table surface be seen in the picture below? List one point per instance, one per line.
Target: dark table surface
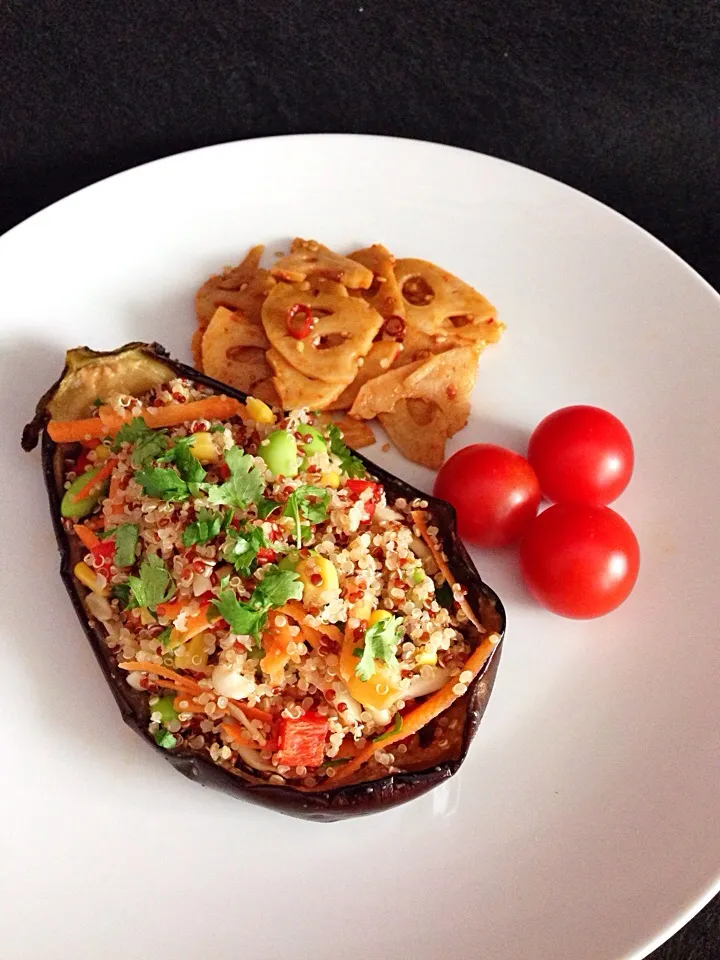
(620, 99)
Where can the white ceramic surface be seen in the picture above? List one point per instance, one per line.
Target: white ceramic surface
(583, 825)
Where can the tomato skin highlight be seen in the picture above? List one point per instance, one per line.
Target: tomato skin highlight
(581, 454)
(579, 561)
(494, 491)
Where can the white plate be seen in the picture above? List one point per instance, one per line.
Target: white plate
(584, 822)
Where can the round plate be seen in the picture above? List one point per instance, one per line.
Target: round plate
(584, 822)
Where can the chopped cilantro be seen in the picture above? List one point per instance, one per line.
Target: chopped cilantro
(217, 428)
(207, 524)
(188, 466)
(154, 585)
(131, 432)
(149, 447)
(349, 463)
(162, 483)
(265, 507)
(126, 538)
(244, 618)
(241, 548)
(245, 484)
(248, 618)
(278, 586)
(310, 501)
(381, 641)
(444, 595)
(164, 637)
(165, 739)
(121, 592)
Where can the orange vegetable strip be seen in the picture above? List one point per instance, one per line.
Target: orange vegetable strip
(170, 610)
(416, 719)
(103, 473)
(192, 707)
(237, 733)
(161, 671)
(170, 685)
(294, 609)
(85, 536)
(254, 713)
(70, 431)
(111, 420)
(419, 519)
(275, 642)
(209, 408)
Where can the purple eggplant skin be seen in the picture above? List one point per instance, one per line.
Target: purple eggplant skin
(352, 800)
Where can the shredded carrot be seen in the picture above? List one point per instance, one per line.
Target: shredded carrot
(239, 735)
(192, 706)
(253, 713)
(169, 610)
(294, 609)
(159, 670)
(276, 640)
(209, 408)
(108, 422)
(170, 685)
(416, 719)
(103, 473)
(419, 519)
(86, 536)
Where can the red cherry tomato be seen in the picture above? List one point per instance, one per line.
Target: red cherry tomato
(581, 455)
(579, 560)
(494, 491)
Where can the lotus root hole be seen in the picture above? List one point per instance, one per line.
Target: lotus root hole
(329, 340)
(417, 291)
(422, 411)
(395, 328)
(461, 319)
(246, 355)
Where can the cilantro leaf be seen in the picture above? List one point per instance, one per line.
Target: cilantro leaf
(241, 548)
(154, 585)
(301, 501)
(349, 463)
(163, 738)
(98, 402)
(245, 485)
(162, 483)
(126, 537)
(278, 586)
(265, 507)
(131, 432)
(244, 618)
(217, 428)
(207, 524)
(188, 466)
(121, 592)
(381, 640)
(149, 447)
(164, 637)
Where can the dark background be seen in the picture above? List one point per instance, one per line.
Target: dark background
(620, 99)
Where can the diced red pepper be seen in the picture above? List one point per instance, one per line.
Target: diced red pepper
(224, 471)
(302, 741)
(266, 555)
(103, 555)
(299, 320)
(356, 487)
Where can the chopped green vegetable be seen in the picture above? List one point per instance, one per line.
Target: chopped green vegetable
(149, 447)
(248, 618)
(154, 585)
(310, 501)
(279, 451)
(396, 728)
(245, 484)
(278, 586)
(165, 707)
(217, 428)
(444, 595)
(265, 507)
(207, 524)
(349, 463)
(381, 640)
(188, 466)
(418, 575)
(165, 739)
(162, 483)
(245, 619)
(122, 592)
(315, 442)
(126, 538)
(289, 561)
(68, 506)
(98, 402)
(241, 548)
(164, 637)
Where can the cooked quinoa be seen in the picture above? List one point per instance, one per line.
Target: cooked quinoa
(279, 613)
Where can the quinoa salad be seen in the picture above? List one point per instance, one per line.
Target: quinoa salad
(282, 617)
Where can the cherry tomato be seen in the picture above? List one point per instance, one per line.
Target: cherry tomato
(579, 560)
(494, 491)
(581, 455)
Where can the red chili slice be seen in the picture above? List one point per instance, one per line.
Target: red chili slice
(356, 487)
(299, 320)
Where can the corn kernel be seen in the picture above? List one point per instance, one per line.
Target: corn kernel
(330, 479)
(89, 578)
(260, 412)
(312, 568)
(101, 452)
(192, 655)
(378, 615)
(203, 448)
(427, 658)
(146, 618)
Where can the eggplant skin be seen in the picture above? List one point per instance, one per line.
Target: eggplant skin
(352, 800)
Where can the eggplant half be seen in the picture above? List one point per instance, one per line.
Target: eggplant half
(135, 369)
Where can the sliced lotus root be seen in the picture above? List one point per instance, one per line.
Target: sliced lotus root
(381, 394)
(309, 259)
(438, 303)
(340, 329)
(356, 433)
(242, 288)
(378, 361)
(196, 348)
(418, 428)
(233, 350)
(295, 390)
(446, 381)
(384, 292)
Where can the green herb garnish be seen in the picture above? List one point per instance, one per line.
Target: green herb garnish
(241, 548)
(309, 501)
(165, 739)
(207, 524)
(349, 463)
(444, 595)
(164, 637)
(248, 618)
(163, 483)
(245, 484)
(131, 432)
(381, 641)
(188, 466)
(126, 538)
(154, 584)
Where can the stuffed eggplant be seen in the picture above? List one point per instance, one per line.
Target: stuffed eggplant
(278, 616)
